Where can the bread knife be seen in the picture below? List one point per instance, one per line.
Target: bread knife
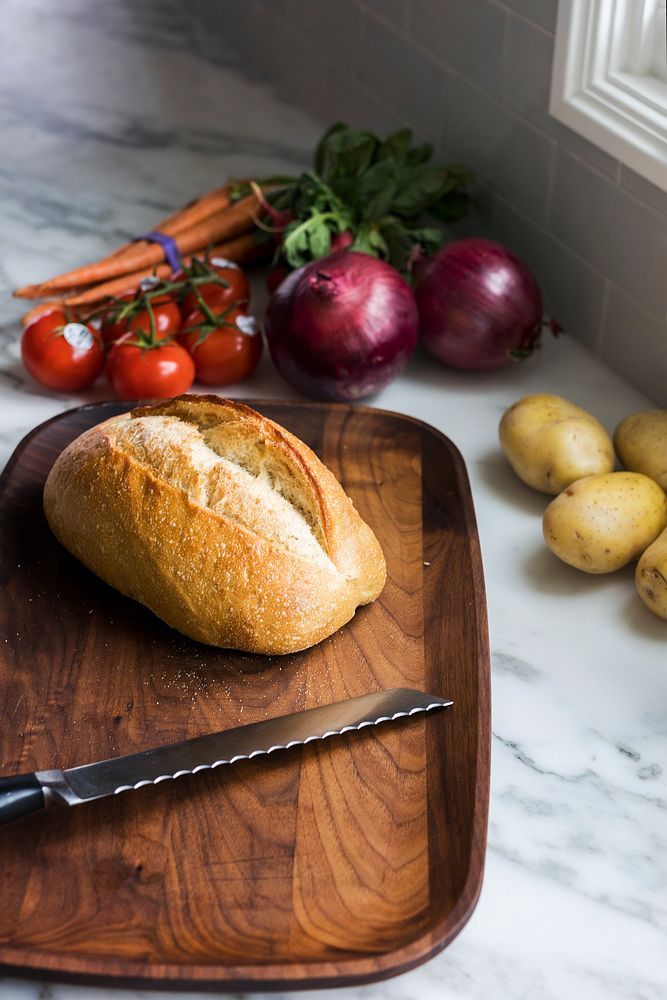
(24, 793)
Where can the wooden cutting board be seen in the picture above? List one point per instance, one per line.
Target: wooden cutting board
(336, 863)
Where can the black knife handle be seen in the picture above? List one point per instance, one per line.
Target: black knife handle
(20, 795)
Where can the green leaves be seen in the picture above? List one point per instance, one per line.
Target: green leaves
(369, 239)
(395, 147)
(420, 187)
(379, 191)
(375, 190)
(318, 214)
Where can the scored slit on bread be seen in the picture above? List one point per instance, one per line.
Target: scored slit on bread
(240, 435)
(198, 463)
(223, 523)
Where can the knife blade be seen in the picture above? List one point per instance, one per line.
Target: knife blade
(24, 793)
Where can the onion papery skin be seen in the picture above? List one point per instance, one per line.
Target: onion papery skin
(480, 307)
(343, 327)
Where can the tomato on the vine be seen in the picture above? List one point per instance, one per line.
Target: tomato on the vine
(62, 355)
(224, 351)
(139, 370)
(112, 328)
(235, 290)
(166, 317)
(42, 309)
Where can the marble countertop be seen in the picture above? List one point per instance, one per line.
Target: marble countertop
(109, 119)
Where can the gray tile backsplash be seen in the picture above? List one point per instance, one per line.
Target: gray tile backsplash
(383, 52)
(526, 85)
(394, 11)
(506, 152)
(542, 12)
(619, 235)
(573, 292)
(635, 344)
(466, 35)
(645, 191)
(334, 26)
(473, 77)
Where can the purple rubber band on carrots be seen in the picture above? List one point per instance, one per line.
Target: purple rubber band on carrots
(171, 252)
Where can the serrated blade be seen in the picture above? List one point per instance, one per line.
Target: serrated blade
(108, 777)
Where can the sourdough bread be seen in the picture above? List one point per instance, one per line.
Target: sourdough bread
(221, 522)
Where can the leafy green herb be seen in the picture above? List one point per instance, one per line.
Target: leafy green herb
(385, 193)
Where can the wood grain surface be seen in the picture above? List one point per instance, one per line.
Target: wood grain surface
(336, 863)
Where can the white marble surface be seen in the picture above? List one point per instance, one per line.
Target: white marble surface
(109, 118)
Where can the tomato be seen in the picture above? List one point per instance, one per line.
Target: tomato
(61, 355)
(167, 317)
(226, 354)
(166, 314)
(111, 329)
(41, 310)
(157, 372)
(217, 296)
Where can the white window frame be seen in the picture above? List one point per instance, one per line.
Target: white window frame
(606, 82)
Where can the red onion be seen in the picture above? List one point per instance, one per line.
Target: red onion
(275, 277)
(479, 305)
(342, 327)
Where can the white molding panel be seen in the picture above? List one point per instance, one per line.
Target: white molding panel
(608, 83)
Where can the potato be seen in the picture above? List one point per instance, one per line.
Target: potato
(600, 523)
(641, 444)
(651, 576)
(550, 442)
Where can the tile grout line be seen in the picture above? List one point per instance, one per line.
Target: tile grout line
(599, 339)
(400, 29)
(520, 16)
(357, 76)
(445, 126)
(551, 182)
(547, 232)
(505, 60)
(612, 180)
(661, 212)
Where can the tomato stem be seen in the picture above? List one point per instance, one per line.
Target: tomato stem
(151, 320)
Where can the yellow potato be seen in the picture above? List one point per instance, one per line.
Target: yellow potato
(641, 444)
(550, 442)
(600, 523)
(651, 576)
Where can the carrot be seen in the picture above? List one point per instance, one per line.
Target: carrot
(194, 212)
(117, 286)
(197, 211)
(224, 225)
(241, 250)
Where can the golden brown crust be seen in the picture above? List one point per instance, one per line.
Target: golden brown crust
(145, 504)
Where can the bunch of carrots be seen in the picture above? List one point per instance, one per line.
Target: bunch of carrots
(215, 222)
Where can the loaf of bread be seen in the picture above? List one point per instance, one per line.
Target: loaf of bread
(221, 522)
